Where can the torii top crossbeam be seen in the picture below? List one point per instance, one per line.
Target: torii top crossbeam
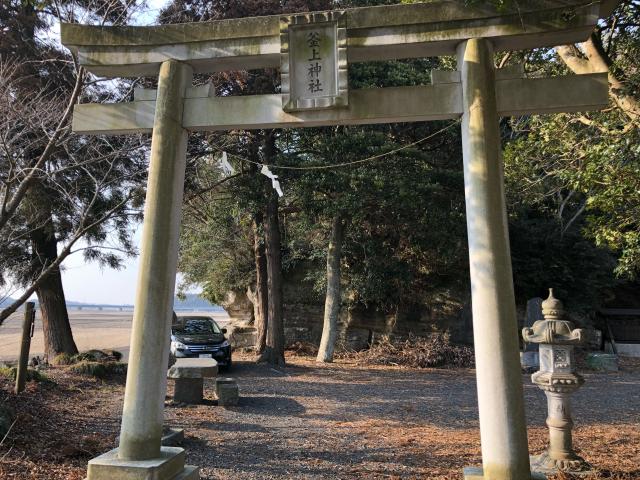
(373, 33)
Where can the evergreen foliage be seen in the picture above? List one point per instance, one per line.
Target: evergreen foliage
(31, 375)
(574, 179)
(405, 237)
(60, 193)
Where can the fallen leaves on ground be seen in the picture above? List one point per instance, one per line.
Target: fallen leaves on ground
(336, 421)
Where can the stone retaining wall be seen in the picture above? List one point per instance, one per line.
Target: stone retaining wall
(303, 311)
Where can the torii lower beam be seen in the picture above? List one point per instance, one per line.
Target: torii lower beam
(515, 96)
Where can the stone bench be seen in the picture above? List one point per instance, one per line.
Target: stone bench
(189, 375)
(227, 392)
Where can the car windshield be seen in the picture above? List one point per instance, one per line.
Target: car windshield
(195, 326)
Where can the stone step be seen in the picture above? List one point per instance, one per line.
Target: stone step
(189, 473)
(476, 473)
(172, 437)
(221, 380)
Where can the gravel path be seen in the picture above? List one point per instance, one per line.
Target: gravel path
(339, 421)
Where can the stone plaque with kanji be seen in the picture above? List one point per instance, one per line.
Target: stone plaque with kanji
(314, 62)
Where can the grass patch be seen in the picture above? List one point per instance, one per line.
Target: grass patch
(63, 359)
(93, 363)
(91, 356)
(32, 375)
(97, 356)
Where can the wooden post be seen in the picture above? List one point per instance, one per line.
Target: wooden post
(27, 332)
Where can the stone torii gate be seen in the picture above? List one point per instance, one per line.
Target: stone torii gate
(313, 51)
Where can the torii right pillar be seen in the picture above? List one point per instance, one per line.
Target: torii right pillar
(503, 434)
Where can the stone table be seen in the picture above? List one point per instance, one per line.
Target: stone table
(189, 374)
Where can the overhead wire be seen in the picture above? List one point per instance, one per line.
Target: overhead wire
(354, 162)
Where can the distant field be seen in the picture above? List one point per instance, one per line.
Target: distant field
(91, 329)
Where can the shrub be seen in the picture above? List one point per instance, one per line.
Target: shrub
(98, 369)
(92, 369)
(117, 356)
(417, 352)
(302, 349)
(97, 356)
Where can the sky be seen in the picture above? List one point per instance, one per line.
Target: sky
(88, 282)
(152, 11)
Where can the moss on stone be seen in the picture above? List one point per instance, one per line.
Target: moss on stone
(97, 356)
(100, 356)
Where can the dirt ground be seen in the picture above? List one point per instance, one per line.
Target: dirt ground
(338, 421)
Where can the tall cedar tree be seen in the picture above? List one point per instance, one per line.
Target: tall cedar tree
(56, 187)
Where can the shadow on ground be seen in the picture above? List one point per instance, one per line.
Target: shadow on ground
(341, 421)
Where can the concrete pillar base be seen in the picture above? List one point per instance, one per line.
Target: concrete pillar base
(169, 466)
(476, 473)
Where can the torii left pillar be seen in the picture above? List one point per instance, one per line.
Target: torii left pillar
(140, 454)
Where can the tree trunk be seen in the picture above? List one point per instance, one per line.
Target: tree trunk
(274, 347)
(261, 295)
(58, 337)
(333, 297)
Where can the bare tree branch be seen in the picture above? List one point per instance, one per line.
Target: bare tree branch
(10, 206)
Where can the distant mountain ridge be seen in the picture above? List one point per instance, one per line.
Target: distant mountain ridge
(5, 302)
(192, 301)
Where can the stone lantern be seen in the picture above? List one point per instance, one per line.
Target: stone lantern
(558, 379)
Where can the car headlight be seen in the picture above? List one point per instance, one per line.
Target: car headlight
(175, 345)
(225, 343)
